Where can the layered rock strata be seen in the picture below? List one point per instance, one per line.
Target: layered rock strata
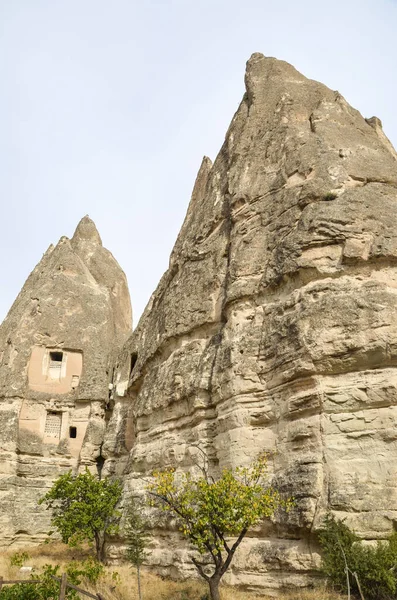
(56, 354)
(274, 327)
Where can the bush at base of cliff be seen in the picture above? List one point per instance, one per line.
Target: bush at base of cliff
(373, 568)
(48, 588)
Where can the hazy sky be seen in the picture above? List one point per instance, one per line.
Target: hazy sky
(108, 106)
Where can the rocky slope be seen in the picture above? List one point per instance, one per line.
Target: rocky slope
(274, 327)
(56, 349)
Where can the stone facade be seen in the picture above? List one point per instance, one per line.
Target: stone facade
(57, 346)
(273, 329)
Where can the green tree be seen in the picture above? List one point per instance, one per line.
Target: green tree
(338, 558)
(365, 571)
(84, 508)
(210, 512)
(135, 533)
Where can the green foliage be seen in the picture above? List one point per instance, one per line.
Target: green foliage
(89, 569)
(84, 508)
(18, 559)
(28, 591)
(210, 511)
(135, 533)
(48, 588)
(330, 196)
(337, 542)
(375, 566)
(116, 577)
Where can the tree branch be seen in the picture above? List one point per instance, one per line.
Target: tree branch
(222, 538)
(189, 523)
(200, 569)
(203, 468)
(233, 550)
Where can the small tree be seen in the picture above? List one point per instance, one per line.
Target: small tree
(84, 509)
(337, 542)
(361, 570)
(135, 532)
(211, 511)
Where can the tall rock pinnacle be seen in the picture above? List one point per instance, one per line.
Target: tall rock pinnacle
(56, 349)
(86, 231)
(274, 328)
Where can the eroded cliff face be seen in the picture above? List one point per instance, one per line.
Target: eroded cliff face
(274, 327)
(56, 354)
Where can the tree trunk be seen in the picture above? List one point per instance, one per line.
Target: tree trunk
(100, 547)
(214, 588)
(138, 573)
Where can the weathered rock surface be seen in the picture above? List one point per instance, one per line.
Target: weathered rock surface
(274, 327)
(56, 355)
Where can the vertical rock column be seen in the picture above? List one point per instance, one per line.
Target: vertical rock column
(56, 348)
(274, 327)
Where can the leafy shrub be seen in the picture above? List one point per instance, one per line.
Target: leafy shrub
(27, 591)
(18, 559)
(90, 569)
(337, 542)
(48, 588)
(374, 567)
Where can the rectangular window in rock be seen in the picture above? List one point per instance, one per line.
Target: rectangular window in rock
(53, 423)
(73, 432)
(55, 365)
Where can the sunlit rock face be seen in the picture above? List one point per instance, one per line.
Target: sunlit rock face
(275, 326)
(56, 349)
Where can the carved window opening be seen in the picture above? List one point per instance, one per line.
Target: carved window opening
(53, 424)
(134, 358)
(55, 365)
(73, 432)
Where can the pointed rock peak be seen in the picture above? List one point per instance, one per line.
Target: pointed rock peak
(254, 58)
(86, 231)
(261, 68)
(258, 64)
(203, 172)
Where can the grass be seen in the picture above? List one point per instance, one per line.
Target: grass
(123, 585)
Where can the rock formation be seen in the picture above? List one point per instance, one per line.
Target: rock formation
(274, 327)
(56, 353)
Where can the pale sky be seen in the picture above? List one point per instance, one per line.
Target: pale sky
(107, 108)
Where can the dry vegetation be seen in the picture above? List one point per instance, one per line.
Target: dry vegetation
(119, 582)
